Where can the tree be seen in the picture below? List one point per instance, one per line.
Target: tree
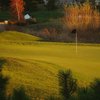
(51, 5)
(32, 5)
(96, 89)
(67, 83)
(90, 93)
(4, 4)
(17, 7)
(0, 7)
(85, 93)
(19, 94)
(3, 83)
(81, 17)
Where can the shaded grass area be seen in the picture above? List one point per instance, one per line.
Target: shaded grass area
(47, 16)
(35, 64)
(33, 75)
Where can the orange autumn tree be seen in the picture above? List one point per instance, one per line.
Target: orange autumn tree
(81, 17)
(17, 8)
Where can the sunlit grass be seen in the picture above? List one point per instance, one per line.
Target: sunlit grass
(35, 64)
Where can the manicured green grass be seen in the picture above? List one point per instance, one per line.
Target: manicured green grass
(17, 37)
(35, 64)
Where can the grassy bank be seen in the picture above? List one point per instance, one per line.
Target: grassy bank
(35, 64)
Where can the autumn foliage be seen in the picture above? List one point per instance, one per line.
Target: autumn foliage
(81, 17)
(17, 8)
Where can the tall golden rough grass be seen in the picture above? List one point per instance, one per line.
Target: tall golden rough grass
(81, 17)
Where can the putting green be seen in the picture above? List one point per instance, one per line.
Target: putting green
(36, 64)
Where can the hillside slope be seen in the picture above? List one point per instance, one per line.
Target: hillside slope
(35, 64)
(33, 75)
(13, 36)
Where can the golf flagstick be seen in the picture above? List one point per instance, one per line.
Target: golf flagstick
(76, 42)
(74, 31)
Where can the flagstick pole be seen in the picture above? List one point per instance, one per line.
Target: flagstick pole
(76, 39)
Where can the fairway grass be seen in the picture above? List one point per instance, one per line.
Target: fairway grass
(35, 64)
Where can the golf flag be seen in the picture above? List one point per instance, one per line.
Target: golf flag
(74, 31)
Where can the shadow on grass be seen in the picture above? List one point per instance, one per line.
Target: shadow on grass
(2, 62)
(19, 94)
(3, 84)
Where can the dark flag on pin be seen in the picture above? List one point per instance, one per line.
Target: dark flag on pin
(74, 31)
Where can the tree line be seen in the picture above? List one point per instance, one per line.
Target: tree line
(31, 5)
(6, 3)
(18, 8)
